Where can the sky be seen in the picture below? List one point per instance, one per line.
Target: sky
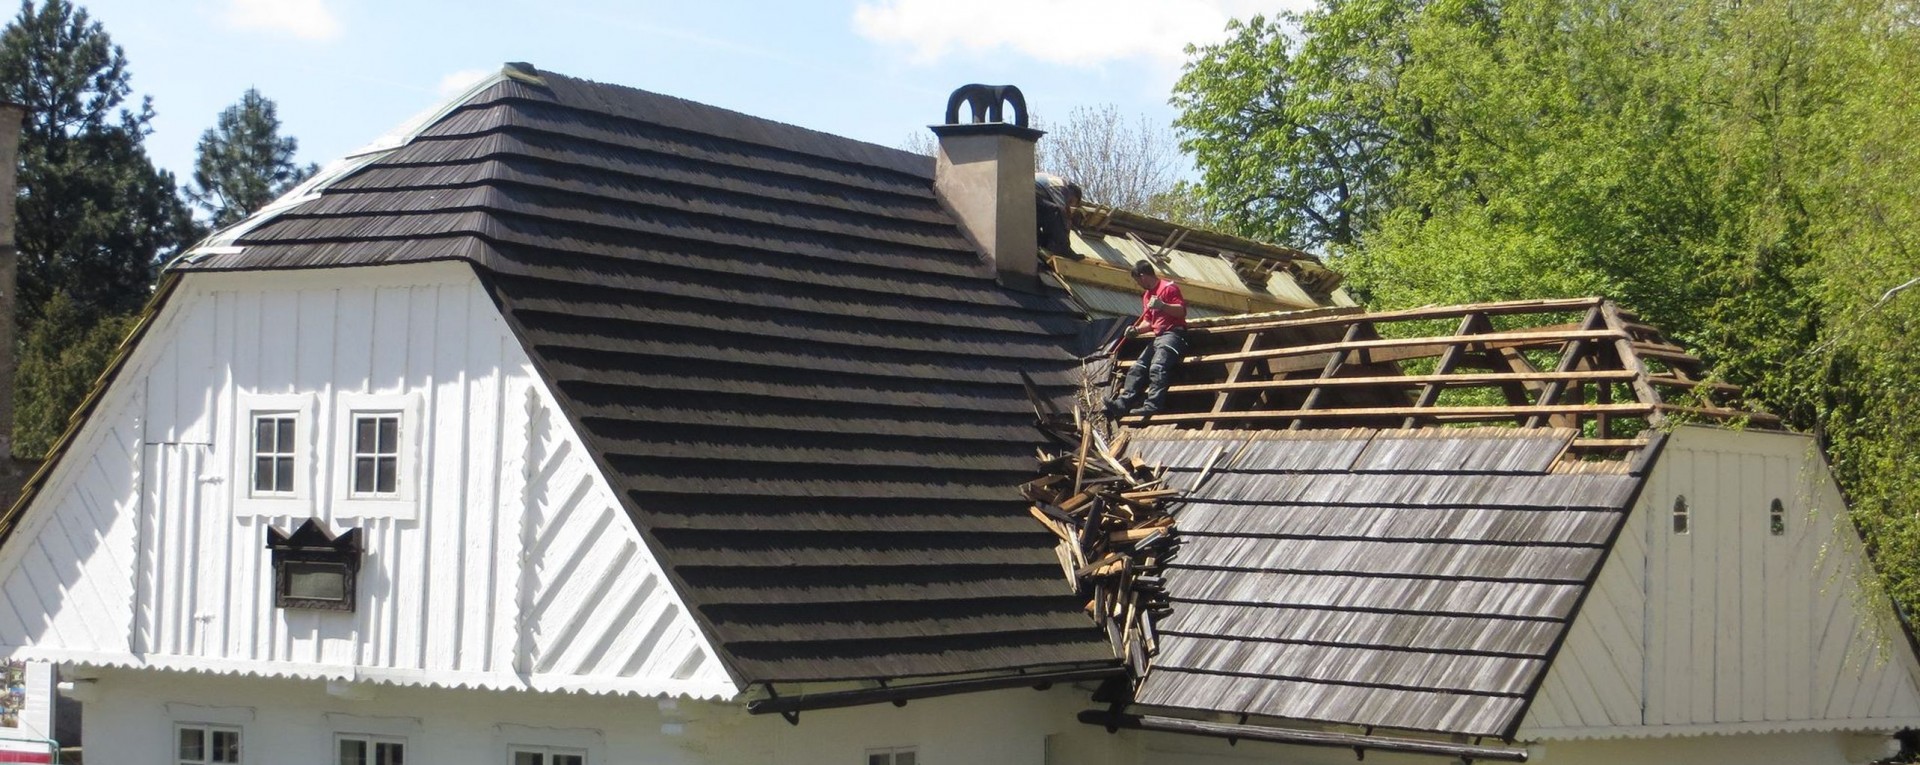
(343, 72)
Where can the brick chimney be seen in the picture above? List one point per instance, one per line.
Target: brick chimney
(984, 175)
(11, 117)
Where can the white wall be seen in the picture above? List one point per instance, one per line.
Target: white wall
(507, 563)
(1731, 627)
(131, 717)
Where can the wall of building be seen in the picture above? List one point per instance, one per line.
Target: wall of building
(506, 561)
(1731, 626)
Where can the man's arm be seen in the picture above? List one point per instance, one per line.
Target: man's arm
(1174, 306)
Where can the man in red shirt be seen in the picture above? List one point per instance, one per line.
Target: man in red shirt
(1163, 317)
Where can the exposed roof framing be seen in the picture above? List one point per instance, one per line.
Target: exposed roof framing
(1585, 364)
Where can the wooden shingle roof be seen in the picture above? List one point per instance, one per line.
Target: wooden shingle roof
(800, 378)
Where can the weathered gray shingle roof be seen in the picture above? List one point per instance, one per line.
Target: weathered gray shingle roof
(798, 375)
(1413, 579)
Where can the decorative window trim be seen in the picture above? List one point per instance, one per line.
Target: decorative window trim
(404, 504)
(195, 714)
(891, 755)
(394, 727)
(313, 547)
(300, 501)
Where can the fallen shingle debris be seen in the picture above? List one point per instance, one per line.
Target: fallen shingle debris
(1110, 511)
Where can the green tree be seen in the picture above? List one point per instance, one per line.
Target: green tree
(1738, 173)
(61, 356)
(95, 216)
(243, 161)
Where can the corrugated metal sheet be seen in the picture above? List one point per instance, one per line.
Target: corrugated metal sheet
(1396, 579)
(778, 344)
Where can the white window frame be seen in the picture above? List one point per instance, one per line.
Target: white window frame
(547, 753)
(298, 502)
(403, 503)
(372, 740)
(892, 753)
(289, 451)
(383, 449)
(206, 754)
(586, 742)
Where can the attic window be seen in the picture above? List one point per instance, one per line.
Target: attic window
(313, 569)
(1777, 517)
(1680, 511)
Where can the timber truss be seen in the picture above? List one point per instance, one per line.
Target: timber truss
(1580, 363)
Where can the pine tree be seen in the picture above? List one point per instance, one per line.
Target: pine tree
(95, 215)
(243, 162)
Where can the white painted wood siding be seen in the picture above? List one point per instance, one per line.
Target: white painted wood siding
(1730, 627)
(510, 565)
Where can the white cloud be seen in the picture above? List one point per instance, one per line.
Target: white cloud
(305, 19)
(455, 82)
(1070, 32)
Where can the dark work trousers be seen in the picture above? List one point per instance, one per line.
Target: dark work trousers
(1155, 364)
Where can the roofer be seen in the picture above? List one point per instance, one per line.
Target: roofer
(1163, 317)
(1054, 199)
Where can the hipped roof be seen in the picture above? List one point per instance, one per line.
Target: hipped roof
(801, 380)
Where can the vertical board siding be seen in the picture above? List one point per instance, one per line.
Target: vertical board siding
(140, 549)
(1730, 623)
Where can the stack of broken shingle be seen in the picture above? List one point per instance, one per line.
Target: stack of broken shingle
(1110, 512)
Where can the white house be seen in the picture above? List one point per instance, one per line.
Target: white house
(575, 424)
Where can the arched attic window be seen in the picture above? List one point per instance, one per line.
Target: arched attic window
(1777, 517)
(1681, 523)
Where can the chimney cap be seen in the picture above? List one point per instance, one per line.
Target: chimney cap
(987, 104)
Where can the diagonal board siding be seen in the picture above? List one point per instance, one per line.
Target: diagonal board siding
(510, 565)
(1730, 626)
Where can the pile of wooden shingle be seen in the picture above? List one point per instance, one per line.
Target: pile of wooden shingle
(1110, 512)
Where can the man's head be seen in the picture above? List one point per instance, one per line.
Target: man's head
(1145, 276)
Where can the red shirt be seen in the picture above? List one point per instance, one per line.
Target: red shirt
(1158, 320)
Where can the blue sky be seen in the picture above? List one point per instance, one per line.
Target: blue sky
(345, 71)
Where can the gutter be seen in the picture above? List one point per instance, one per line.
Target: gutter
(1359, 743)
(790, 707)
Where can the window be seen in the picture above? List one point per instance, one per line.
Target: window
(1777, 517)
(544, 755)
(314, 569)
(376, 454)
(1680, 510)
(273, 454)
(203, 744)
(896, 756)
(370, 750)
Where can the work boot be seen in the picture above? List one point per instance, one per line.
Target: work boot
(1114, 408)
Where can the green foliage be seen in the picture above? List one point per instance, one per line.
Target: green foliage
(60, 357)
(1740, 174)
(243, 162)
(95, 216)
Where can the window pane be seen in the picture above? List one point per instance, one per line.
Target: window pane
(388, 474)
(363, 435)
(283, 474)
(389, 435)
(569, 759)
(903, 758)
(263, 474)
(262, 435)
(226, 746)
(363, 474)
(316, 581)
(284, 443)
(390, 754)
(528, 758)
(353, 752)
(879, 759)
(193, 744)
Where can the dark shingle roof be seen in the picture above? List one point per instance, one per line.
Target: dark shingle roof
(795, 371)
(1413, 579)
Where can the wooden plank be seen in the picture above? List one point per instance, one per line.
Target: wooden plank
(1334, 362)
(1491, 340)
(1457, 412)
(1234, 371)
(1461, 378)
(1448, 361)
(1616, 320)
(1570, 357)
(1412, 314)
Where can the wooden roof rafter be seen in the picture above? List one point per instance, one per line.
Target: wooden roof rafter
(1582, 363)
